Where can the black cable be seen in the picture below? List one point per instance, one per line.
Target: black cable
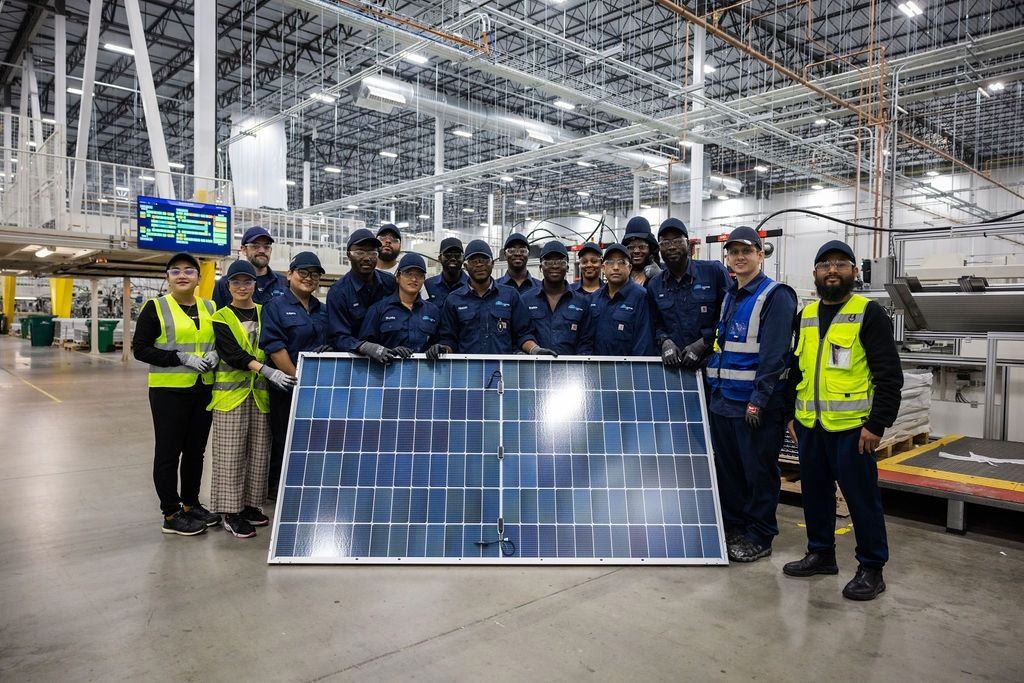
(508, 547)
(858, 226)
(1004, 218)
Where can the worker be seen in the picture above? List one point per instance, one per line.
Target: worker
(241, 407)
(589, 257)
(257, 247)
(452, 275)
(291, 324)
(390, 238)
(622, 322)
(402, 323)
(517, 253)
(685, 299)
(484, 316)
(643, 250)
(350, 298)
(561, 315)
(847, 392)
(747, 377)
(174, 335)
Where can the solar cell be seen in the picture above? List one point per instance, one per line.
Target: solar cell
(497, 459)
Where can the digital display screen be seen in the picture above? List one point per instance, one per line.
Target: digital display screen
(171, 225)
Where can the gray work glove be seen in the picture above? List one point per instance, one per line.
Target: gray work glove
(541, 351)
(437, 350)
(197, 363)
(381, 354)
(278, 378)
(403, 352)
(670, 355)
(694, 353)
(212, 358)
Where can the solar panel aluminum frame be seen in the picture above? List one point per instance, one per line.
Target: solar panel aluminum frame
(501, 559)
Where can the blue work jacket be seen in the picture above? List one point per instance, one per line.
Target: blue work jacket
(686, 310)
(438, 289)
(622, 324)
(496, 322)
(390, 323)
(529, 283)
(285, 324)
(569, 329)
(348, 301)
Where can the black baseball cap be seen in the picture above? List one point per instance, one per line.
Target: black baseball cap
(612, 248)
(554, 247)
(590, 246)
(392, 228)
(240, 268)
(182, 256)
(255, 232)
(746, 235)
(362, 235)
(515, 237)
(450, 243)
(836, 245)
(673, 224)
(478, 248)
(307, 260)
(412, 260)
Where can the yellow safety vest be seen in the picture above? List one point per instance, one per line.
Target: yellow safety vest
(836, 387)
(231, 385)
(179, 333)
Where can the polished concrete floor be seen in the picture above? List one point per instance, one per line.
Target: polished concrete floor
(91, 590)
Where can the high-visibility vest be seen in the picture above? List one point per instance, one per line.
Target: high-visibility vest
(178, 333)
(733, 365)
(836, 388)
(231, 386)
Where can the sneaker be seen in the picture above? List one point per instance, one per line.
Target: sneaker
(238, 526)
(866, 584)
(254, 516)
(747, 551)
(200, 513)
(733, 537)
(183, 525)
(823, 562)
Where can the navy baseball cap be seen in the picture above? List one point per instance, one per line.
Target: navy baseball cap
(362, 235)
(554, 247)
(836, 245)
(241, 268)
(307, 260)
(182, 256)
(673, 224)
(513, 238)
(411, 260)
(590, 246)
(613, 248)
(254, 232)
(478, 248)
(746, 235)
(392, 228)
(450, 243)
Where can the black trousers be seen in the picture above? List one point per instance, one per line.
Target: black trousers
(181, 425)
(280, 407)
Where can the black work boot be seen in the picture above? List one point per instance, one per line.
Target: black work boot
(821, 562)
(866, 584)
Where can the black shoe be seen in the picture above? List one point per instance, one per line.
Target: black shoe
(733, 537)
(747, 551)
(183, 525)
(238, 526)
(254, 516)
(200, 513)
(822, 562)
(866, 584)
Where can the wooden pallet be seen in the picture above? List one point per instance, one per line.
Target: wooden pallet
(791, 484)
(891, 447)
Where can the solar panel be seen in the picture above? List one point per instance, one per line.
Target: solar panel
(497, 459)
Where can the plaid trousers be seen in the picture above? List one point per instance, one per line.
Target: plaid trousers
(241, 457)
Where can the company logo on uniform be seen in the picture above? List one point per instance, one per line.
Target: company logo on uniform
(534, 307)
(574, 307)
(390, 317)
(429, 319)
(290, 313)
(505, 304)
(624, 307)
(461, 308)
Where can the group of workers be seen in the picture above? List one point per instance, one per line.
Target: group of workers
(830, 375)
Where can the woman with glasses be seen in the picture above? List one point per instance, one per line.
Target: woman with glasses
(174, 335)
(240, 404)
(621, 317)
(403, 323)
(292, 323)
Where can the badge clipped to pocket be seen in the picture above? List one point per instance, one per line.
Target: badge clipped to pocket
(840, 358)
(502, 325)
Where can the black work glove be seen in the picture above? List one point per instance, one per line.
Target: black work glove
(694, 353)
(670, 354)
(541, 351)
(753, 416)
(437, 350)
(381, 354)
(403, 352)
(323, 348)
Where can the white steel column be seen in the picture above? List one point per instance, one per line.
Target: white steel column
(154, 126)
(94, 313)
(8, 122)
(305, 183)
(60, 69)
(204, 97)
(438, 170)
(126, 318)
(490, 215)
(33, 98)
(636, 193)
(697, 150)
(85, 106)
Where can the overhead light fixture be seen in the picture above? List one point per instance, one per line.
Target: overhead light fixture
(816, 186)
(910, 8)
(289, 183)
(563, 105)
(506, 179)
(332, 169)
(584, 164)
(449, 189)
(468, 210)
(520, 202)
(931, 174)
(147, 177)
(384, 93)
(323, 97)
(51, 121)
(75, 91)
(997, 86)
(119, 48)
(352, 207)
(101, 200)
(423, 216)
(416, 58)
(403, 225)
(645, 206)
(761, 169)
(44, 252)
(685, 143)
(821, 122)
(584, 214)
(32, 143)
(388, 155)
(121, 188)
(176, 164)
(661, 182)
(709, 68)
(723, 197)
(539, 136)
(462, 133)
(583, 194)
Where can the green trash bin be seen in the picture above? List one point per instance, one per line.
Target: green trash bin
(40, 329)
(106, 335)
(24, 325)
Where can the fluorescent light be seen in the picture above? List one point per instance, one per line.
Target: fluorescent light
(385, 94)
(821, 122)
(389, 155)
(32, 143)
(323, 97)
(403, 224)
(483, 224)
(685, 143)
(119, 48)
(101, 200)
(537, 135)
(584, 164)
(176, 164)
(910, 8)
(146, 177)
(723, 197)
(119, 188)
(449, 189)
(332, 169)
(997, 86)
(661, 182)
(506, 179)
(44, 252)
(816, 186)
(75, 91)
(709, 69)
(289, 183)
(520, 202)
(468, 210)
(645, 206)
(416, 58)
(931, 174)
(761, 169)
(351, 207)
(424, 216)
(584, 214)
(53, 121)
(885, 152)
(565, 106)
(583, 194)
(462, 133)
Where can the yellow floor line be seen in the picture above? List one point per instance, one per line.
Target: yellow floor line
(44, 392)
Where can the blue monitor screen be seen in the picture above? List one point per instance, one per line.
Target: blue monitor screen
(171, 225)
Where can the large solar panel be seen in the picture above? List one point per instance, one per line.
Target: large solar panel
(497, 459)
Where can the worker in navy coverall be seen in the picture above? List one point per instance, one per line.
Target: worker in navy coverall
(517, 253)
(561, 316)
(452, 276)
(622, 322)
(350, 298)
(403, 323)
(257, 246)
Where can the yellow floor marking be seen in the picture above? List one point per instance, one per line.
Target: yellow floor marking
(894, 464)
(41, 391)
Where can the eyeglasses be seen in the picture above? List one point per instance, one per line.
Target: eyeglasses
(362, 253)
(241, 282)
(178, 272)
(258, 246)
(477, 260)
(517, 251)
(672, 242)
(841, 266)
(555, 263)
(745, 250)
(638, 246)
(616, 263)
(308, 274)
(389, 239)
(413, 274)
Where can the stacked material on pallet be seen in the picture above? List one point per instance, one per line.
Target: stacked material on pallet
(915, 406)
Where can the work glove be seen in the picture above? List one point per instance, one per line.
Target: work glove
(323, 348)
(670, 355)
(403, 352)
(381, 354)
(197, 363)
(278, 378)
(212, 358)
(753, 416)
(694, 353)
(437, 350)
(541, 351)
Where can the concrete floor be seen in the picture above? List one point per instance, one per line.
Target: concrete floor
(91, 590)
